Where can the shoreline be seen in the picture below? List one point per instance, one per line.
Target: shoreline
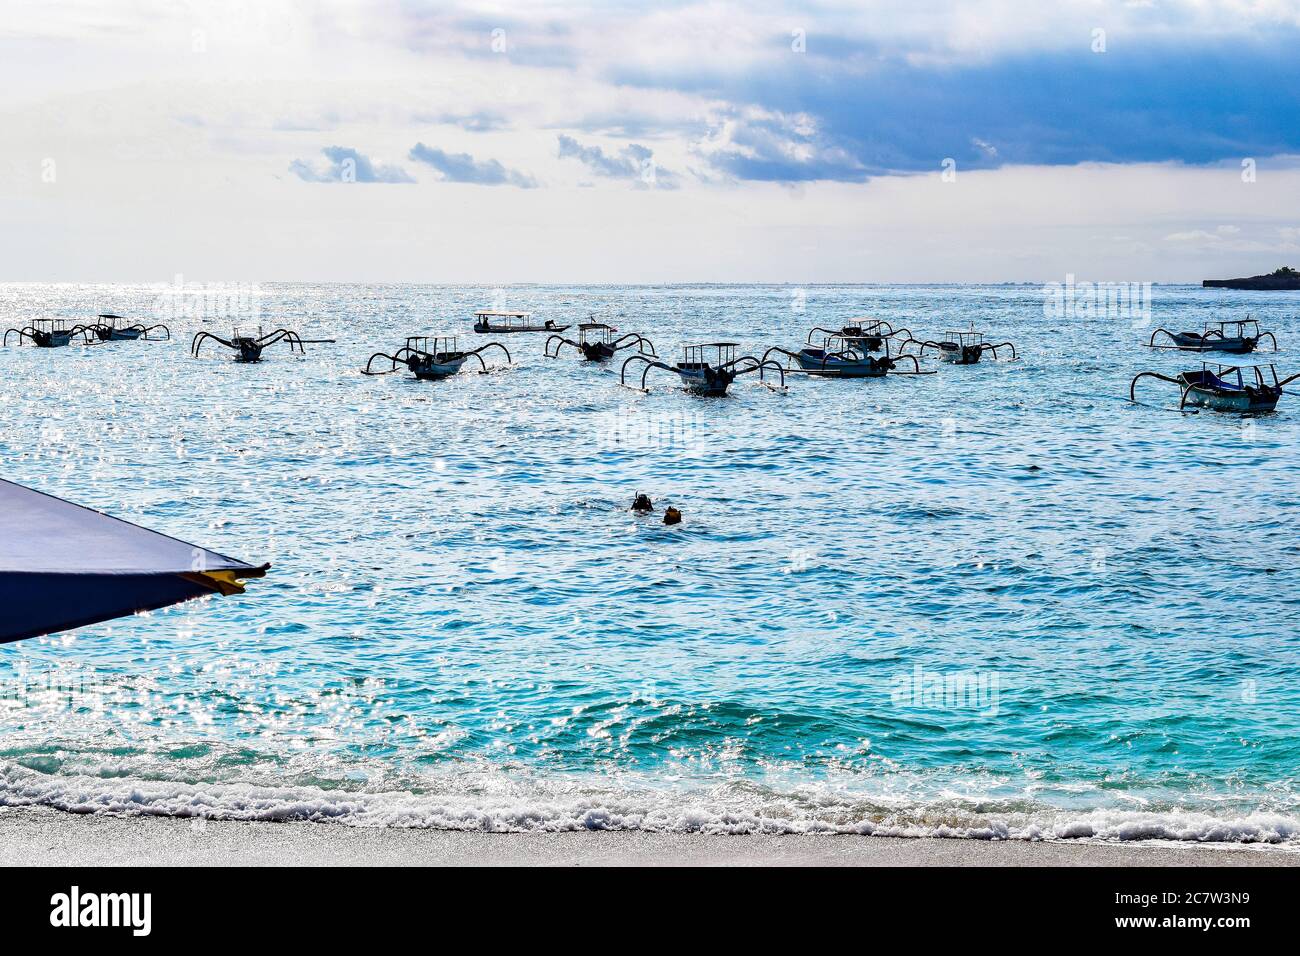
(37, 836)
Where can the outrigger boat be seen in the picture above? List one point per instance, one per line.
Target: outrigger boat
(432, 357)
(596, 342)
(870, 333)
(52, 333)
(845, 356)
(1224, 388)
(248, 342)
(708, 368)
(961, 347)
(502, 323)
(1237, 336)
(114, 328)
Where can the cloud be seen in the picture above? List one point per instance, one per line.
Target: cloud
(632, 162)
(346, 165)
(480, 121)
(464, 168)
(754, 144)
(878, 111)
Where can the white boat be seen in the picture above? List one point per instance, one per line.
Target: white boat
(505, 322)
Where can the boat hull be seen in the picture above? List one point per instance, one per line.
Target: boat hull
(705, 381)
(1190, 342)
(1232, 401)
(433, 371)
(960, 356)
(498, 330)
(819, 364)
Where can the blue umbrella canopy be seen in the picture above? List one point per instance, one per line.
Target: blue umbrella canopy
(64, 566)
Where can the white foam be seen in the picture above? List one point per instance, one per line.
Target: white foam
(517, 808)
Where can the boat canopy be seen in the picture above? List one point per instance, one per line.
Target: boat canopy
(494, 313)
(64, 566)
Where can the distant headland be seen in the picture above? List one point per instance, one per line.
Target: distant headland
(1284, 278)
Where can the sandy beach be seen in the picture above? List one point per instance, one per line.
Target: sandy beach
(41, 837)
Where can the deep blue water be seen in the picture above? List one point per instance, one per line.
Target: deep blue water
(465, 626)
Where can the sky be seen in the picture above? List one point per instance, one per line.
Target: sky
(450, 142)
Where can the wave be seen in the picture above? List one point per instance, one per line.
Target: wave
(737, 810)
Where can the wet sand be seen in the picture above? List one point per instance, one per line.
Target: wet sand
(43, 837)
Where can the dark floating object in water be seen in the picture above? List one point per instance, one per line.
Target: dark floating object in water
(63, 566)
(502, 323)
(960, 348)
(707, 369)
(431, 362)
(672, 516)
(52, 333)
(596, 342)
(1224, 388)
(642, 504)
(115, 328)
(1237, 336)
(845, 354)
(247, 342)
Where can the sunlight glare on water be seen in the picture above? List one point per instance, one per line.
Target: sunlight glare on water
(464, 625)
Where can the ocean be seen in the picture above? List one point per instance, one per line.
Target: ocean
(1000, 601)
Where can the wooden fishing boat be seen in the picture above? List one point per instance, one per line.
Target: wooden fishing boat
(960, 347)
(597, 343)
(1224, 388)
(844, 356)
(868, 333)
(708, 368)
(432, 357)
(1236, 336)
(505, 322)
(110, 327)
(248, 341)
(51, 333)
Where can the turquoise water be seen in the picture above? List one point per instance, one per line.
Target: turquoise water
(465, 626)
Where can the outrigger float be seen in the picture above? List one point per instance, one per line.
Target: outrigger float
(52, 333)
(1224, 388)
(247, 342)
(707, 369)
(870, 333)
(596, 342)
(960, 348)
(432, 357)
(844, 356)
(115, 328)
(503, 323)
(1237, 336)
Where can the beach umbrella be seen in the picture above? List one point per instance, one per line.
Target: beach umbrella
(64, 566)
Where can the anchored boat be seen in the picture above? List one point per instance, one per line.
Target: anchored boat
(960, 347)
(596, 342)
(1224, 388)
(708, 368)
(502, 323)
(110, 327)
(247, 342)
(869, 333)
(430, 358)
(1237, 336)
(52, 333)
(845, 356)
